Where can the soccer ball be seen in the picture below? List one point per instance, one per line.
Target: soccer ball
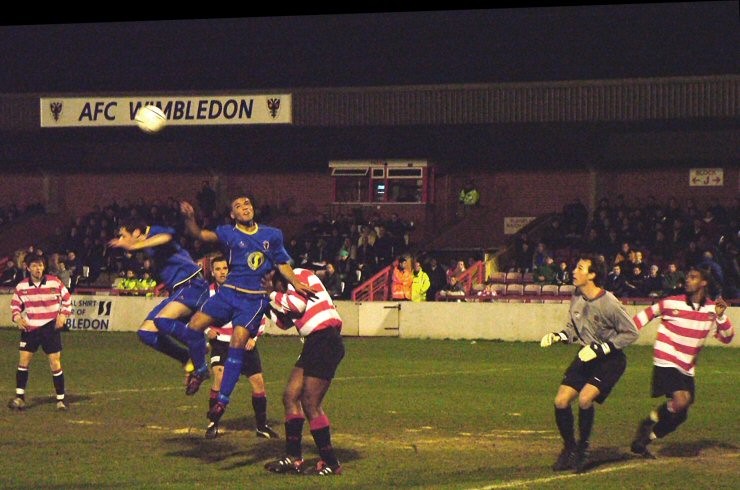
(150, 119)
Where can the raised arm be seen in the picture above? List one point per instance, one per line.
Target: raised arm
(192, 226)
(133, 244)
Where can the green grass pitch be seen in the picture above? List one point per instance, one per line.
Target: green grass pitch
(404, 414)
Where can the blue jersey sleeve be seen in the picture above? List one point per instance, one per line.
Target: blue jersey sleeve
(224, 233)
(279, 255)
(160, 230)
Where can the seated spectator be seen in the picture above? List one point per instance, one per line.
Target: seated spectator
(402, 279)
(522, 258)
(420, 283)
(563, 276)
(332, 281)
(540, 255)
(146, 284)
(11, 275)
(454, 288)
(634, 285)
(708, 262)
(545, 273)
(653, 285)
(457, 268)
(673, 280)
(615, 281)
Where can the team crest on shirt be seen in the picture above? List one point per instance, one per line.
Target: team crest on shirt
(255, 260)
(266, 245)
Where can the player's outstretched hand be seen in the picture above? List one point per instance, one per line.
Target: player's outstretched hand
(552, 338)
(187, 209)
(720, 306)
(304, 290)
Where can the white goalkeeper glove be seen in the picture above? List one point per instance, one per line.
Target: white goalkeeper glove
(594, 350)
(553, 337)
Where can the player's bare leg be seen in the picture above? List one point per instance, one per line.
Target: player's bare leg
(314, 390)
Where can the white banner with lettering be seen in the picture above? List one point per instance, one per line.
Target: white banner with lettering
(512, 224)
(64, 112)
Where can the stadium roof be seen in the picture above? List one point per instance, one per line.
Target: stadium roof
(374, 49)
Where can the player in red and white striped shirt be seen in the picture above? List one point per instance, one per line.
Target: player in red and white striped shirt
(318, 322)
(686, 322)
(40, 307)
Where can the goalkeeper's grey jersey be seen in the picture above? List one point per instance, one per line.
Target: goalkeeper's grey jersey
(599, 320)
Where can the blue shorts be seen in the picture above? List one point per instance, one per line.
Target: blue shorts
(191, 294)
(241, 309)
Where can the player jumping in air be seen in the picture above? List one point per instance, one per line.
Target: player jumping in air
(188, 290)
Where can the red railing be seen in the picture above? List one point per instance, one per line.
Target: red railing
(475, 274)
(377, 288)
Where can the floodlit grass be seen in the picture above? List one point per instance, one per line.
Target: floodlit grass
(404, 414)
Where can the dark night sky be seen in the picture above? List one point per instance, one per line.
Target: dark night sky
(367, 49)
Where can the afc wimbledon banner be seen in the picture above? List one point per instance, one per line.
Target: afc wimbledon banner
(63, 112)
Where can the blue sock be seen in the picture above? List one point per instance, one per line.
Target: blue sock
(232, 371)
(164, 344)
(195, 340)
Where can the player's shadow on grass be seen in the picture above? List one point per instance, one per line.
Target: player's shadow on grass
(601, 456)
(51, 400)
(242, 447)
(692, 449)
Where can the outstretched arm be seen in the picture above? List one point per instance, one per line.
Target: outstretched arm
(133, 244)
(303, 289)
(192, 226)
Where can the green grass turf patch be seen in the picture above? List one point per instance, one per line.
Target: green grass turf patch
(404, 414)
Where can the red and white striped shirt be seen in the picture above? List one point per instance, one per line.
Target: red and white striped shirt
(40, 303)
(308, 315)
(226, 330)
(683, 330)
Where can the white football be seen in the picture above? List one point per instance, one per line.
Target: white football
(150, 119)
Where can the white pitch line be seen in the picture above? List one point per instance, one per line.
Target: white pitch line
(535, 481)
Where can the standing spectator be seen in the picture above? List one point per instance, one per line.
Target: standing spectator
(383, 246)
(437, 278)
(420, 283)
(402, 279)
(469, 195)
(708, 262)
(347, 270)
(523, 257)
(206, 199)
(457, 268)
(40, 307)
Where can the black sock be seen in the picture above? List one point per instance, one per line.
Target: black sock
(322, 437)
(293, 435)
(259, 404)
(21, 380)
(58, 378)
(564, 420)
(668, 421)
(585, 423)
(171, 348)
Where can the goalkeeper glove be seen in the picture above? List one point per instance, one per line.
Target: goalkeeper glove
(553, 337)
(594, 350)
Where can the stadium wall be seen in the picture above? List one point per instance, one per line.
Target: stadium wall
(458, 321)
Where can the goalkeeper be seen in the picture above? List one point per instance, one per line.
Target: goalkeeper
(600, 324)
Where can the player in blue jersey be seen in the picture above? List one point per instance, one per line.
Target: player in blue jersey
(253, 252)
(184, 281)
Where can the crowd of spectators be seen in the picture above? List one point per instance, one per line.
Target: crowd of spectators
(648, 247)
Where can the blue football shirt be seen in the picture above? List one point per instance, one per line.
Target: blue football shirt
(173, 264)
